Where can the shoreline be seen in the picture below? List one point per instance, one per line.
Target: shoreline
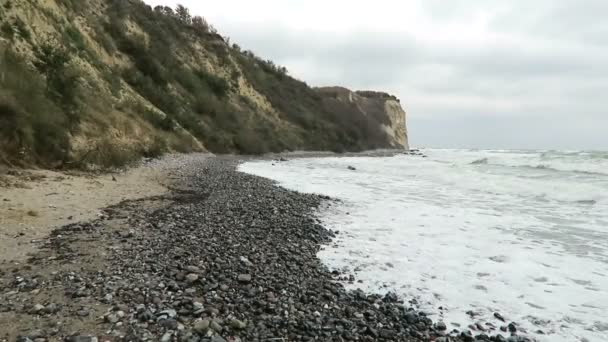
(224, 256)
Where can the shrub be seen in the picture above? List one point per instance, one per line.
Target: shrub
(62, 81)
(7, 30)
(75, 39)
(29, 122)
(22, 30)
(219, 86)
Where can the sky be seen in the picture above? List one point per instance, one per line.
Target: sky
(470, 73)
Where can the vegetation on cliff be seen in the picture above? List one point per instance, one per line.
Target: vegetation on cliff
(108, 81)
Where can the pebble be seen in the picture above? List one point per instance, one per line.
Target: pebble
(244, 278)
(112, 318)
(37, 308)
(82, 338)
(215, 326)
(191, 278)
(236, 324)
(201, 326)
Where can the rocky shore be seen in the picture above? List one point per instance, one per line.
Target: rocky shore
(224, 256)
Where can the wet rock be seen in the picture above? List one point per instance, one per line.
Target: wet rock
(441, 326)
(499, 316)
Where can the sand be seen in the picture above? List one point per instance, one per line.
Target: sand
(34, 202)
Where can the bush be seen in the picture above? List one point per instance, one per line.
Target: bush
(75, 39)
(62, 80)
(22, 30)
(7, 29)
(31, 126)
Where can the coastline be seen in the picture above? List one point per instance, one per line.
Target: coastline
(222, 256)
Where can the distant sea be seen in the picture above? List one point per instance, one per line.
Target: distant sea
(465, 234)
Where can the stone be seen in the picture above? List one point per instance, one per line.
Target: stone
(191, 278)
(192, 269)
(169, 313)
(112, 318)
(36, 334)
(82, 338)
(169, 324)
(441, 326)
(215, 326)
(201, 326)
(237, 324)
(499, 316)
(37, 308)
(244, 278)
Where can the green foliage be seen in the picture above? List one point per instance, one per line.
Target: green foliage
(75, 39)
(62, 81)
(31, 127)
(105, 40)
(183, 14)
(7, 30)
(77, 6)
(113, 79)
(22, 30)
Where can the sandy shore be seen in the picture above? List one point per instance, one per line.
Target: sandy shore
(34, 202)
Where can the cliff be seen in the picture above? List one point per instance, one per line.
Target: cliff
(108, 81)
(380, 112)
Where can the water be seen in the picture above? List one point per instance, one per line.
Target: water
(522, 233)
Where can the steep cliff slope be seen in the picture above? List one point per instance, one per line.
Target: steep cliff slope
(379, 113)
(107, 81)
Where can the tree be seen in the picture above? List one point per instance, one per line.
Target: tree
(183, 14)
(200, 24)
(168, 11)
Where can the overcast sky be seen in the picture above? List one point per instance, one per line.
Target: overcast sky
(485, 74)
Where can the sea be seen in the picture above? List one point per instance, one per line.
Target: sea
(464, 234)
